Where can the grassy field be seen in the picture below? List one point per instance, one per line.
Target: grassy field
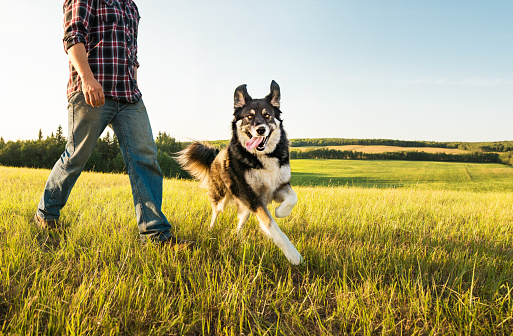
(399, 174)
(383, 149)
(393, 253)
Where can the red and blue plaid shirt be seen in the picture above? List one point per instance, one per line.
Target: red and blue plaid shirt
(108, 29)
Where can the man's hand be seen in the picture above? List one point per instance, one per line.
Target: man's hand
(92, 89)
(93, 92)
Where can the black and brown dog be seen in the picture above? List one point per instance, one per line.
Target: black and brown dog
(253, 170)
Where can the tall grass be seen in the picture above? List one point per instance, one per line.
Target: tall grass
(377, 261)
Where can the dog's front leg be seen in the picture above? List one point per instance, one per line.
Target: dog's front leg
(271, 229)
(288, 199)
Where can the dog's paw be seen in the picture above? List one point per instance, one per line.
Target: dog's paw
(283, 210)
(295, 259)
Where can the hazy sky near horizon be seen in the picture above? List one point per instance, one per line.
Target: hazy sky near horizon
(409, 70)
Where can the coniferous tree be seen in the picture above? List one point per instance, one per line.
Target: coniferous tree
(168, 144)
(58, 135)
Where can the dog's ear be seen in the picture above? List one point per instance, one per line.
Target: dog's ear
(274, 97)
(241, 97)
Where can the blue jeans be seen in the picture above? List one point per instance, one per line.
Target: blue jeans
(132, 127)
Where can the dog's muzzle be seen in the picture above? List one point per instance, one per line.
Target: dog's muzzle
(259, 142)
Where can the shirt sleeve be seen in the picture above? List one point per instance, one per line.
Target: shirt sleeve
(77, 14)
(136, 32)
(136, 62)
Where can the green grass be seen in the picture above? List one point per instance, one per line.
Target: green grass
(399, 174)
(418, 260)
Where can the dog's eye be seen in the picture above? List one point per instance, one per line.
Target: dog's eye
(250, 117)
(267, 116)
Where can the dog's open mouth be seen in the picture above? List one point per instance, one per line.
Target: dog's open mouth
(257, 142)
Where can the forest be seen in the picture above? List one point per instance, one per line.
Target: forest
(106, 157)
(325, 153)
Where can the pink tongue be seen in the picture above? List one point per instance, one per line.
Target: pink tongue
(254, 142)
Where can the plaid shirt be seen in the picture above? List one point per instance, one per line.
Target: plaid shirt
(108, 29)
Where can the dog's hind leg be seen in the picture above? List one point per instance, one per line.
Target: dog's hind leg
(288, 199)
(243, 213)
(217, 208)
(271, 229)
(215, 213)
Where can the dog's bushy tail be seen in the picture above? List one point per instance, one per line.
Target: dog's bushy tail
(197, 158)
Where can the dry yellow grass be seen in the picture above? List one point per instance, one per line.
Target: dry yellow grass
(383, 149)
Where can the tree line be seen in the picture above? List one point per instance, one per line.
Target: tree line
(326, 153)
(498, 146)
(106, 156)
(506, 158)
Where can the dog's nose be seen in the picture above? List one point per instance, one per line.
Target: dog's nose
(260, 130)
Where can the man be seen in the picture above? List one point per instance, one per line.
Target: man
(100, 37)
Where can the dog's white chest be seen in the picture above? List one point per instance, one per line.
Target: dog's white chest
(267, 180)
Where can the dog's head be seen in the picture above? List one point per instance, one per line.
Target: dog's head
(257, 121)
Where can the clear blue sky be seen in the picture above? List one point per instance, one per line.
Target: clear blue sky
(410, 70)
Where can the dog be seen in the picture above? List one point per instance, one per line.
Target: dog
(253, 170)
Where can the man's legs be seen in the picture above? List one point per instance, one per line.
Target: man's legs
(132, 127)
(85, 125)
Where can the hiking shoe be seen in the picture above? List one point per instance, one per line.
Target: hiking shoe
(45, 224)
(177, 243)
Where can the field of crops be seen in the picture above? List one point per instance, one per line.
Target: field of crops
(412, 248)
(382, 149)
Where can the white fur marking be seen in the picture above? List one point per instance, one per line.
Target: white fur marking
(287, 205)
(265, 181)
(243, 214)
(283, 242)
(274, 139)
